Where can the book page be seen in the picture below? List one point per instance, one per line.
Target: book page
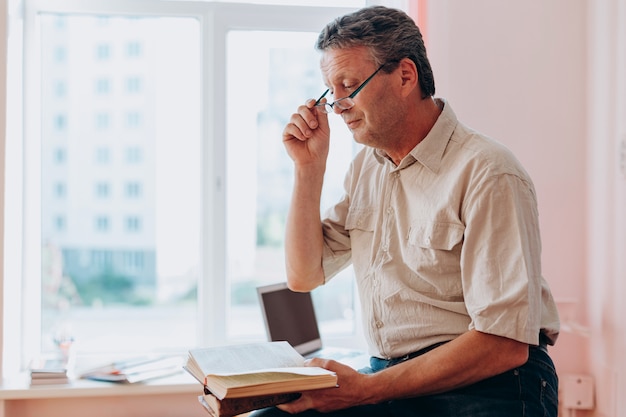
(246, 358)
(272, 377)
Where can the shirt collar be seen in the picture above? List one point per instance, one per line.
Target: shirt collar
(429, 151)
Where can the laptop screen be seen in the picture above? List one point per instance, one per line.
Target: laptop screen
(289, 316)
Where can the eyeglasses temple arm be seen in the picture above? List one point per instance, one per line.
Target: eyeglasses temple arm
(355, 92)
(322, 96)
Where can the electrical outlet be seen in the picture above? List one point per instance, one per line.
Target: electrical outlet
(577, 391)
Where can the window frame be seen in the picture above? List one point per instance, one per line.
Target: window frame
(216, 20)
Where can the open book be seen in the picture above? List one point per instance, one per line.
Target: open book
(257, 369)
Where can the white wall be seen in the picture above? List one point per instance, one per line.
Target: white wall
(606, 283)
(3, 103)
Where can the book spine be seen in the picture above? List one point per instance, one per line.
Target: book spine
(228, 407)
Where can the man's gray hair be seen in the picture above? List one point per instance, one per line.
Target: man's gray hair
(390, 34)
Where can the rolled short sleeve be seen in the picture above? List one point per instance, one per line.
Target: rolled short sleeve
(501, 269)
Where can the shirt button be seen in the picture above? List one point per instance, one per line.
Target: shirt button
(379, 324)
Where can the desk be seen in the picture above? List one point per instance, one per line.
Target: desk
(164, 397)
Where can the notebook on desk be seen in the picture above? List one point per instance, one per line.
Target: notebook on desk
(290, 316)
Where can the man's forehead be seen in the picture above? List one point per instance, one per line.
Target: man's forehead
(341, 59)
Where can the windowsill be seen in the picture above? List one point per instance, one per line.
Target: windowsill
(19, 388)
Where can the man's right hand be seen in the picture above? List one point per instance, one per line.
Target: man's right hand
(307, 135)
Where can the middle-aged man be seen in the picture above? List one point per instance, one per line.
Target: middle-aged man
(440, 223)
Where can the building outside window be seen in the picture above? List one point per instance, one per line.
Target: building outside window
(184, 213)
(102, 190)
(103, 121)
(103, 155)
(133, 49)
(103, 86)
(103, 52)
(133, 85)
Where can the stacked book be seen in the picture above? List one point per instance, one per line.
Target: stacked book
(230, 407)
(47, 371)
(241, 378)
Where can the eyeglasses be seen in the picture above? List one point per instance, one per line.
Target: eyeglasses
(344, 103)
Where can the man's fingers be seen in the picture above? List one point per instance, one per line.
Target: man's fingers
(301, 124)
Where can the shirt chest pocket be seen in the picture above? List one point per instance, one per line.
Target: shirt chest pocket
(361, 224)
(434, 249)
(437, 236)
(360, 220)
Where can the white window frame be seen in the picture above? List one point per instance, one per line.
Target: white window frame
(216, 19)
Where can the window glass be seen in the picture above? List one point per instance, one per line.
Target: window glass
(269, 74)
(120, 238)
(155, 191)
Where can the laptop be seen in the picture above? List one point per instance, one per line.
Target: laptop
(290, 316)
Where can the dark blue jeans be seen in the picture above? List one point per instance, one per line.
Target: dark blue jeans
(527, 391)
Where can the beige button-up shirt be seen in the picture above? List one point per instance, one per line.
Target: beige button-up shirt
(445, 242)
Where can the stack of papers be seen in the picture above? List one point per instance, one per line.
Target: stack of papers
(136, 370)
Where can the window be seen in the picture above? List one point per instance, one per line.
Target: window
(133, 49)
(60, 89)
(133, 85)
(130, 246)
(60, 155)
(59, 223)
(60, 190)
(133, 119)
(103, 121)
(103, 52)
(103, 155)
(103, 86)
(59, 54)
(102, 190)
(133, 224)
(133, 261)
(183, 214)
(60, 122)
(133, 189)
(259, 180)
(102, 223)
(133, 155)
(60, 23)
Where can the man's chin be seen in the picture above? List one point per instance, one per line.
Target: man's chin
(360, 138)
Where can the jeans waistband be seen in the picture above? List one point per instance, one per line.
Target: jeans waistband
(385, 363)
(379, 363)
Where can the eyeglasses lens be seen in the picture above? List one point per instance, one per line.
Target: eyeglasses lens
(345, 103)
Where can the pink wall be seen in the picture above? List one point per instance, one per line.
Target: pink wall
(509, 71)
(546, 78)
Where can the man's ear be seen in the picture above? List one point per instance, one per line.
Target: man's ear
(408, 74)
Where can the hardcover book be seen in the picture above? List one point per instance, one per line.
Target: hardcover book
(252, 370)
